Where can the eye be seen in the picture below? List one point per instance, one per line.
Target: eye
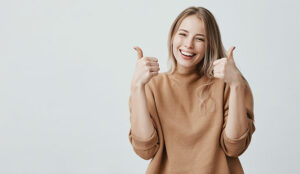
(200, 39)
(182, 34)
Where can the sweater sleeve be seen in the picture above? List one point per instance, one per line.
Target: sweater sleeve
(146, 148)
(235, 147)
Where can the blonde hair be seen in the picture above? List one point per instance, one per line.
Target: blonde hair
(214, 48)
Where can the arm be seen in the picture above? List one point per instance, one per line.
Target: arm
(143, 135)
(238, 124)
(141, 123)
(237, 121)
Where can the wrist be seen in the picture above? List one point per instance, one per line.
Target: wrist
(237, 85)
(137, 86)
(238, 82)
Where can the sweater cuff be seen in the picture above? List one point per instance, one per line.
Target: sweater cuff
(236, 140)
(144, 144)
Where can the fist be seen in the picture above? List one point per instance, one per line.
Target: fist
(145, 69)
(226, 69)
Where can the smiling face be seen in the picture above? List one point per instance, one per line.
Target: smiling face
(189, 43)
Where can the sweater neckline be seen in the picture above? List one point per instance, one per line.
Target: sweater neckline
(185, 76)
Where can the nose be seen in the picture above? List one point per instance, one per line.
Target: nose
(188, 43)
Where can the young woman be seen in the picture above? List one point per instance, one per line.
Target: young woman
(197, 117)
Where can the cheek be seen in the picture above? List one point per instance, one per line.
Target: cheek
(176, 42)
(175, 45)
(201, 48)
(173, 49)
(201, 45)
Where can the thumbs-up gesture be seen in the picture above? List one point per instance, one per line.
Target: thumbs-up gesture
(145, 69)
(226, 69)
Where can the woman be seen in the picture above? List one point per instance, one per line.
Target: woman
(198, 116)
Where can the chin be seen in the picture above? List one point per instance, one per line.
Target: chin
(184, 64)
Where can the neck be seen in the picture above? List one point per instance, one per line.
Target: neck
(185, 76)
(185, 70)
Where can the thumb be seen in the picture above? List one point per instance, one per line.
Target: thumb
(139, 52)
(230, 52)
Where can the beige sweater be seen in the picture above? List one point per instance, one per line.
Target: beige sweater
(189, 139)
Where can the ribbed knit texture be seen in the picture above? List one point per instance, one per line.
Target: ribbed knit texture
(189, 139)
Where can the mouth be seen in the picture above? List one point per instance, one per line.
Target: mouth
(186, 55)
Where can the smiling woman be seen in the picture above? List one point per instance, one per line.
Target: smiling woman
(197, 117)
(189, 44)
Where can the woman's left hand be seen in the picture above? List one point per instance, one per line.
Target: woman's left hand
(225, 69)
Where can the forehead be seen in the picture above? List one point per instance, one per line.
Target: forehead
(193, 24)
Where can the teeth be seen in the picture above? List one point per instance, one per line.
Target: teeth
(186, 54)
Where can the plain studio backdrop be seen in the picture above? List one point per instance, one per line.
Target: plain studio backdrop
(66, 68)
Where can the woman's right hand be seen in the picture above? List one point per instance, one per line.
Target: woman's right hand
(145, 69)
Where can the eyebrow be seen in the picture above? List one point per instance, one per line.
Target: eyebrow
(196, 34)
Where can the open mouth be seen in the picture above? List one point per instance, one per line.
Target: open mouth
(186, 55)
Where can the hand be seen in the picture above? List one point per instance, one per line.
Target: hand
(225, 69)
(145, 69)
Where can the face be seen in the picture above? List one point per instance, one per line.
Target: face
(189, 43)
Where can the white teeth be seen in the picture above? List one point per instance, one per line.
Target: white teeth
(186, 54)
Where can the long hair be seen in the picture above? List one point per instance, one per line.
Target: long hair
(214, 48)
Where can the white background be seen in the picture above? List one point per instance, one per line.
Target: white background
(66, 67)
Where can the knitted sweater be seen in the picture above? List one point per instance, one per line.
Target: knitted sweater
(189, 138)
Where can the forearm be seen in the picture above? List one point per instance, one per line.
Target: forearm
(141, 123)
(237, 121)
